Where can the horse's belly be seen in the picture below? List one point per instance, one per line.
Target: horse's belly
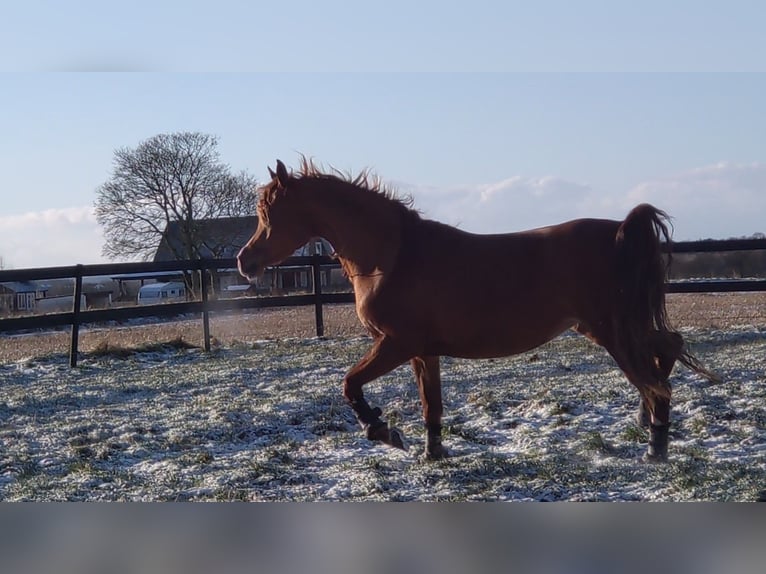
(497, 338)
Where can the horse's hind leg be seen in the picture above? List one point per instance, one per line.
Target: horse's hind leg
(667, 347)
(655, 394)
(654, 408)
(383, 357)
(428, 377)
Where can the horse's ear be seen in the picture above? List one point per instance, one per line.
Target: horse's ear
(272, 175)
(282, 175)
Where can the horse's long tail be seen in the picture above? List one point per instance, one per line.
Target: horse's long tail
(642, 271)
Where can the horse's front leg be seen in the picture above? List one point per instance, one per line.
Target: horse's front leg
(383, 357)
(428, 377)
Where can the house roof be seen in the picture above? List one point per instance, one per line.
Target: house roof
(220, 238)
(25, 286)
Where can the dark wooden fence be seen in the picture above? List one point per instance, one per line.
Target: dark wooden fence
(205, 306)
(718, 285)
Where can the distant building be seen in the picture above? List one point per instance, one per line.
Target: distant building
(217, 238)
(21, 296)
(222, 238)
(161, 293)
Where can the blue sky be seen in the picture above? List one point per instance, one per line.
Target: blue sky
(484, 120)
(395, 35)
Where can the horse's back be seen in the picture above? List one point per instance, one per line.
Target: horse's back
(579, 253)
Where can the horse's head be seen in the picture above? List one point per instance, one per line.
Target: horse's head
(281, 226)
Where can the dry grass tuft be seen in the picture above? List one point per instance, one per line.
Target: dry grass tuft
(106, 349)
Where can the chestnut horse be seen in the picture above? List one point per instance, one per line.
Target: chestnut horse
(603, 278)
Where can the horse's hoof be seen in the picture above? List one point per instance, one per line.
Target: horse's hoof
(377, 432)
(396, 439)
(390, 436)
(437, 452)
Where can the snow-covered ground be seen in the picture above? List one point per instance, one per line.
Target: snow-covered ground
(268, 422)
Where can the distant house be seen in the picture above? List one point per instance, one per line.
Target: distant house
(222, 238)
(21, 296)
(290, 278)
(217, 238)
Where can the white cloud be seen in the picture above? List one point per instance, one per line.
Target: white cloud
(718, 201)
(51, 238)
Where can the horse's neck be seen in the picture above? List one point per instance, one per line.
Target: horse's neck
(365, 233)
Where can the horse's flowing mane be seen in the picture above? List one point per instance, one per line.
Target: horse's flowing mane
(365, 181)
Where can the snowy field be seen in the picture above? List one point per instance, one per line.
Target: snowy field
(267, 421)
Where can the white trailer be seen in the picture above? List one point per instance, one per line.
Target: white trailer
(155, 293)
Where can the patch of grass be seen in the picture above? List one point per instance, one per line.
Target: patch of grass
(689, 474)
(740, 433)
(26, 469)
(634, 433)
(106, 349)
(232, 494)
(81, 466)
(273, 463)
(594, 441)
(487, 400)
(375, 464)
(203, 457)
(279, 456)
(468, 434)
(697, 425)
(559, 469)
(497, 466)
(696, 453)
(179, 441)
(561, 409)
(239, 345)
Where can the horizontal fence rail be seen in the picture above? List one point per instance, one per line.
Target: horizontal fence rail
(205, 306)
(715, 245)
(716, 285)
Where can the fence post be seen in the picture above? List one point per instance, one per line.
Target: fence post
(205, 312)
(75, 339)
(317, 273)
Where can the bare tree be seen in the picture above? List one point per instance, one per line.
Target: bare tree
(169, 177)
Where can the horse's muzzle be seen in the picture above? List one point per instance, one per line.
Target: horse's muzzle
(248, 269)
